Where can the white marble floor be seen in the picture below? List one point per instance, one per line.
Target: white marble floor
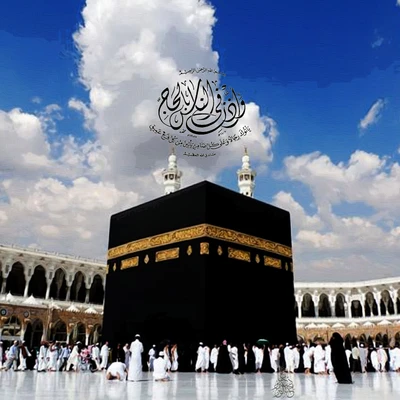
(185, 386)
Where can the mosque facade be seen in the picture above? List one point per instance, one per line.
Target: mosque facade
(51, 296)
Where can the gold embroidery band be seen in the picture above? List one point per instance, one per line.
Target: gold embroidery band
(204, 248)
(272, 262)
(169, 254)
(196, 232)
(239, 254)
(130, 262)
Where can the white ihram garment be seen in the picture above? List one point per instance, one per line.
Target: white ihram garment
(201, 359)
(104, 354)
(135, 364)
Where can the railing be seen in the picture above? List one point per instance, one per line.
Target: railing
(48, 303)
(347, 320)
(51, 253)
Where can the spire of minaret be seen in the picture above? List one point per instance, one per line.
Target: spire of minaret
(171, 175)
(246, 176)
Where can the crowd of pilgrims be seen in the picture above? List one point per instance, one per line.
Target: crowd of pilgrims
(337, 356)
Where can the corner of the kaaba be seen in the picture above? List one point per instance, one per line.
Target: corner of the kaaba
(250, 280)
(196, 265)
(154, 282)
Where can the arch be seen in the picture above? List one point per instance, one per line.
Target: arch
(385, 340)
(378, 339)
(79, 333)
(386, 304)
(16, 280)
(307, 306)
(33, 334)
(397, 338)
(300, 339)
(38, 283)
(398, 302)
(59, 331)
(296, 309)
(12, 329)
(96, 294)
(347, 341)
(363, 338)
(1, 276)
(58, 287)
(324, 306)
(340, 310)
(78, 288)
(371, 307)
(356, 309)
(318, 338)
(96, 334)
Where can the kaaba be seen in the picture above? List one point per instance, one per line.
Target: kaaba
(201, 264)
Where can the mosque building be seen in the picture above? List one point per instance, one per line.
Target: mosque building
(51, 296)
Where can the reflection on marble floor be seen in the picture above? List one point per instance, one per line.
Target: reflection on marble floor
(87, 386)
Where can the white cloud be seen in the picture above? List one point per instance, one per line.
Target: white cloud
(50, 231)
(329, 246)
(372, 115)
(377, 42)
(300, 219)
(81, 107)
(36, 100)
(129, 55)
(49, 117)
(3, 217)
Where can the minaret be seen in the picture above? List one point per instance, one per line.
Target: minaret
(171, 175)
(246, 176)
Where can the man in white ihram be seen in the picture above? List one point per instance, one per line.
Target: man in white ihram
(160, 369)
(117, 370)
(135, 364)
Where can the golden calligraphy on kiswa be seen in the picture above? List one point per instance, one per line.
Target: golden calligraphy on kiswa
(130, 262)
(168, 254)
(239, 254)
(204, 248)
(196, 232)
(272, 262)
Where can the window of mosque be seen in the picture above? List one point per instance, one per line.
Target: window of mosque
(11, 328)
(252, 178)
(246, 177)
(241, 177)
(171, 176)
(165, 177)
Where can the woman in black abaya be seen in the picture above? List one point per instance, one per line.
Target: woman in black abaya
(251, 359)
(224, 364)
(339, 360)
(266, 365)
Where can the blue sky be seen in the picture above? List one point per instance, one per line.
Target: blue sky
(315, 68)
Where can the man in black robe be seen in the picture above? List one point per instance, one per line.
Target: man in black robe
(339, 360)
